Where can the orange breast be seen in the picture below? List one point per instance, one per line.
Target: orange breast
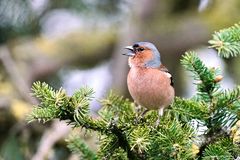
(150, 87)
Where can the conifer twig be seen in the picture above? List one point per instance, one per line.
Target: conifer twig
(227, 41)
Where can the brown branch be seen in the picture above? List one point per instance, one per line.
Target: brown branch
(58, 131)
(14, 74)
(4, 102)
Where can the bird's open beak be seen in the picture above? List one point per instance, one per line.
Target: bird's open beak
(131, 51)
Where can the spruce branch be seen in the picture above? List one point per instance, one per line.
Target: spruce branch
(227, 108)
(227, 41)
(42, 114)
(108, 144)
(119, 153)
(109, 149)
(75, 110)
(174, 139)
(186, 109)
(139, 139)
(222, 148)
(122, 109)
(44, 93)
(76, 145)
(119, 138)
(124, 134)
(203, 76)
(223, 118)
(123, 143)
(56, 104)
(230, 99)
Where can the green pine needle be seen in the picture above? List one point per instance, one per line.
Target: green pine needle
(172, 140)
(119, 109)
(223, 118)
(76, 145)
(227, 41)
(108, 144)
(222, 149)
(203, 76)
(227, 108)
(229, 99)
(42, 114)
(44, 93)
(139, 139)
(185, 110)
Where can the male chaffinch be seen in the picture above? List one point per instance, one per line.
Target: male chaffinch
(149, 82)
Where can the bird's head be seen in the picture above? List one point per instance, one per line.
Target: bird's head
(143, 54)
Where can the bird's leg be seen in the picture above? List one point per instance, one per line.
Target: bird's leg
(160, 114)
(138, 109)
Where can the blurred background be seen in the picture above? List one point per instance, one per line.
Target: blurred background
(80, 42)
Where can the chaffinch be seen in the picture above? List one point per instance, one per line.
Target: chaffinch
(149, 81)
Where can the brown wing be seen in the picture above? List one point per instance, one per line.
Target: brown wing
(164, 69)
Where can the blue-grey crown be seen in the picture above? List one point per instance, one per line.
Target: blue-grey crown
(156, 61)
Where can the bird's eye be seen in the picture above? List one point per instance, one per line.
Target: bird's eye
(140, 49)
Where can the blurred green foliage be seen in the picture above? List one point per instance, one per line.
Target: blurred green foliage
(19, 18)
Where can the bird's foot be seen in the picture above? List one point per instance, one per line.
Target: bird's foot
(140, 116)
(143, 113)
(138, 109)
